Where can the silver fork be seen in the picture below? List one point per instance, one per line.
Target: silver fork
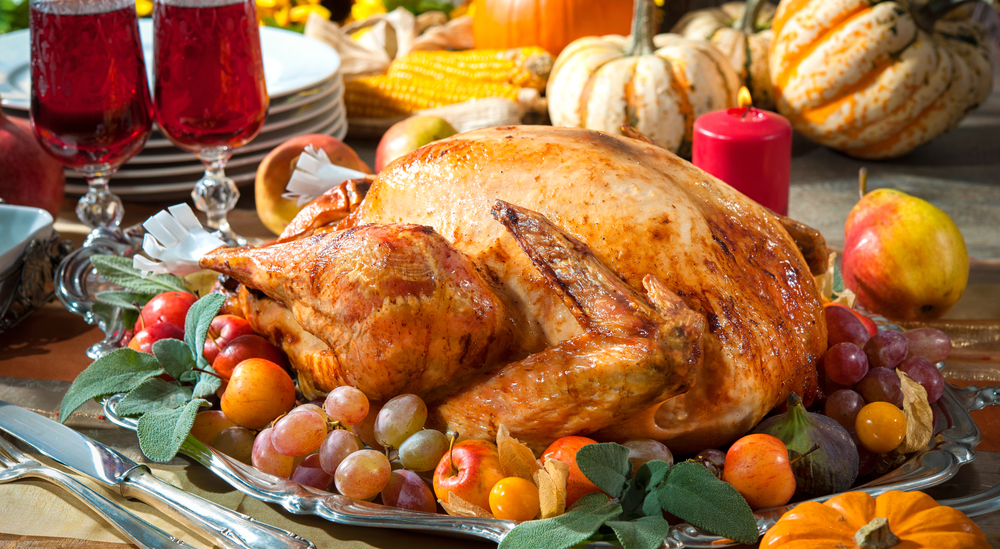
(15, 465)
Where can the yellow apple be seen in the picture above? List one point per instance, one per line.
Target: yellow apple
(276, 169)
(903, 257)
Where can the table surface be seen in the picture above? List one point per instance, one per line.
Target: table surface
(960, 172)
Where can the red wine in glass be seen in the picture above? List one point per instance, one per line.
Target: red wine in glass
(90, 100)
(209, 89)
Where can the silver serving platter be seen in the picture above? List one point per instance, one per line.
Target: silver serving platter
(953, 446)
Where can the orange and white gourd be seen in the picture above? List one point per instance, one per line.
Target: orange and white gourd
(875, 80)
(742, 32)
(658, 85)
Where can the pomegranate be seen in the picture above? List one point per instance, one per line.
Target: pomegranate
(28, 175)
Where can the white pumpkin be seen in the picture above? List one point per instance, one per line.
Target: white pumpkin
(658, 85)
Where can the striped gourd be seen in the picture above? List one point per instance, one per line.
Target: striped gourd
(875, 80)
(658, 85)
(742, 37)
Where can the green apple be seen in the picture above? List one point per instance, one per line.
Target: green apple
(408, 135)
(903, 257)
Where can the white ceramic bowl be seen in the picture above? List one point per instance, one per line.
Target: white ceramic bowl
(18, 226)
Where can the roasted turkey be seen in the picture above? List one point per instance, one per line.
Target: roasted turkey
(553, 280)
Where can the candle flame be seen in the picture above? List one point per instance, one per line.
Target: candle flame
(743, 99)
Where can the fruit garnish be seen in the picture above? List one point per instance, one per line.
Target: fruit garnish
(880, 426)
(634, 511)
(164, 389)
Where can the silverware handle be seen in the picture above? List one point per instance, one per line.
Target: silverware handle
(141, 533)
(226, 528)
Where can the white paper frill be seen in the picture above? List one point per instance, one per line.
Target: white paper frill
(314, 174)
(175, 241)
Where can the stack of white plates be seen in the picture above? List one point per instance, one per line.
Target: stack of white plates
(305, 87)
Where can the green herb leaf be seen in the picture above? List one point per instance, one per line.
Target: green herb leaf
(153, 394)
(119, 270)
(162, 431)
(196, 324)
(118, 371)
(636, 501)
(124, 300)
(692, 493)
(644, 533)
(199, 318)
(174, 356)
(207, 383)
(566, 530)
(606, 465)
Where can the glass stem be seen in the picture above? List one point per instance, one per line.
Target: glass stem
(99, 208)
(215, 194)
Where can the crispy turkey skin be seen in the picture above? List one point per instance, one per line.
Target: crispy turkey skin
(656, 223)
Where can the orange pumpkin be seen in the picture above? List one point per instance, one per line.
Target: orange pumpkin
(551, 24)
(856, 520)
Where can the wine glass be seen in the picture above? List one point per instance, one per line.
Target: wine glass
(90, 101)
(209, 92)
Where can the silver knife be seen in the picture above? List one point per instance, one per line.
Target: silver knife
(226, 528)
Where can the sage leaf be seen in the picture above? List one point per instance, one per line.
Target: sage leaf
(196, 323)
(162, 431)
(643, 533)
(151, 395)
(118, 371)
(606, 465)
(123, 300)
(174, 356)
(635, 500)
(572, 527)
(119, 270)
(207, 383)
(692, 493)
(838, 279)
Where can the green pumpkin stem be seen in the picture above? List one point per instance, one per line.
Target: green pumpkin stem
(748, 22)
(929, 12)
(876, 535)
(643, 29)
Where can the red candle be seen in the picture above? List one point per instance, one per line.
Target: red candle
(749, 149)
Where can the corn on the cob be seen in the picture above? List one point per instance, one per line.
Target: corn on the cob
(526, 67)
(386, 96)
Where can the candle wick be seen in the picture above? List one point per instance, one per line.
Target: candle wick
(745, 111)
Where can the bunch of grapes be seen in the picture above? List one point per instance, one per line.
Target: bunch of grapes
(858, 376)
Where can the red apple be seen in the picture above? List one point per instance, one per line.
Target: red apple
(275, 170)
(408, 135)
(28, 175)
(222, 330)
(245, 347)
(169, 307)
(469, 471)
(144, 339)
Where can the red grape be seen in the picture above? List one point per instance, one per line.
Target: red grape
(406, 490)
(881, 385)
(930, 343)
(309, 473)
(843, 407)
(347, 405)
(267, 459)
(886, 349)
(299, 433)
(337, 445)
(842, 326)
(845, 363)
(926, 374)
